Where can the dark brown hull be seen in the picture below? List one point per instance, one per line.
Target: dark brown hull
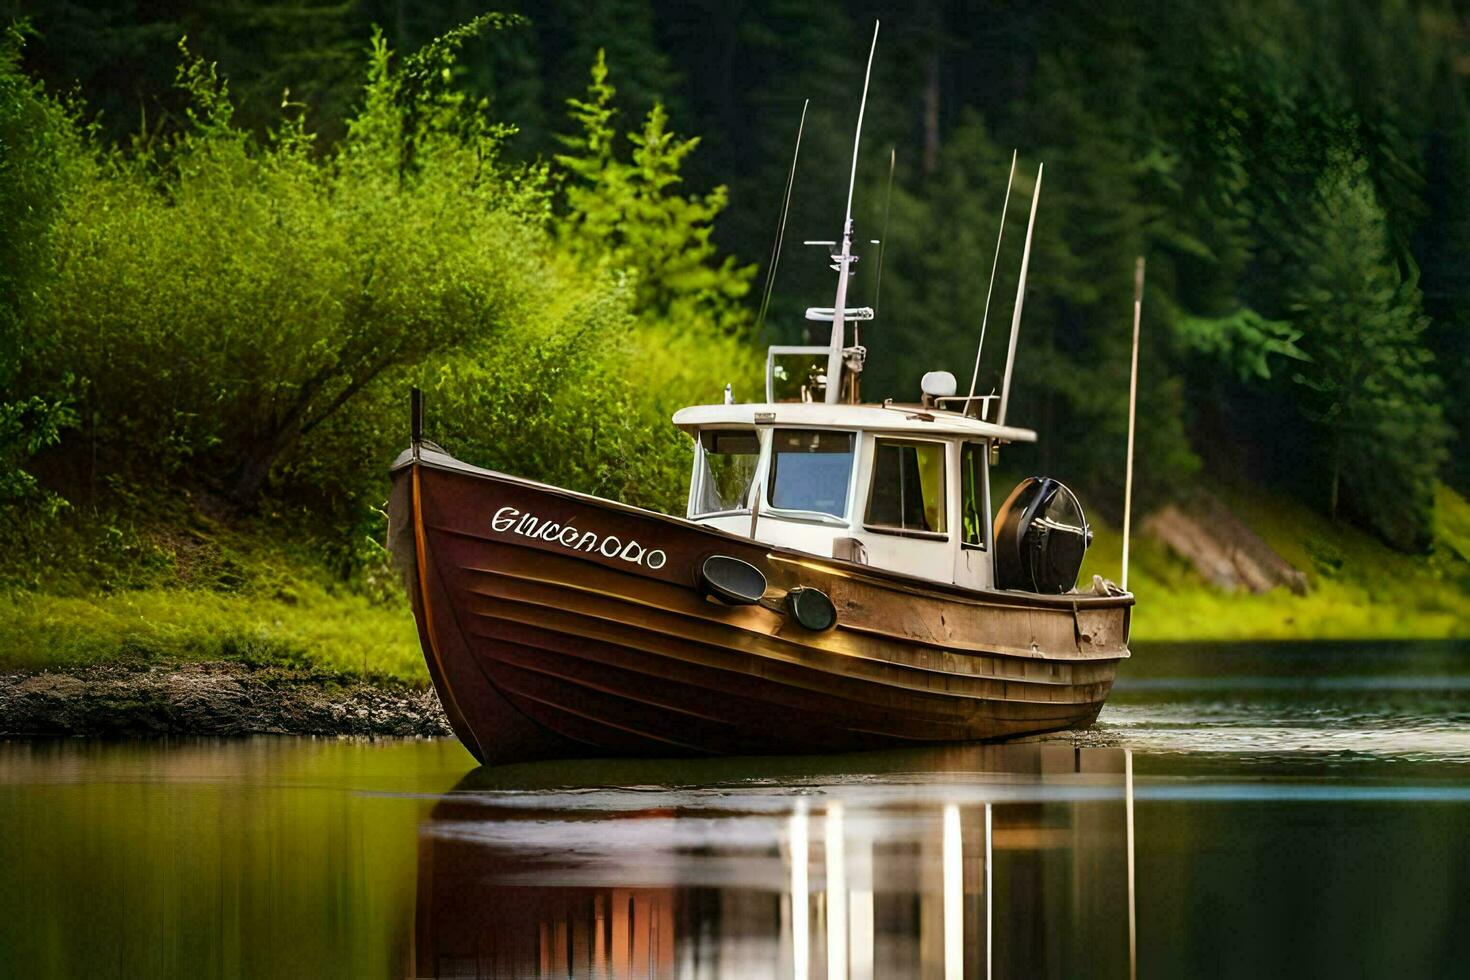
(586, 633)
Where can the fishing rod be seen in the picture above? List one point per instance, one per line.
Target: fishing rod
(985, 317)
(883, 240)
(760, 320)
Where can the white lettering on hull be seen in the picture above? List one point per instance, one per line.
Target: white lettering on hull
(509, 520)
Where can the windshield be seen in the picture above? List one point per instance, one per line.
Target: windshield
(728, 459)
(810, 470)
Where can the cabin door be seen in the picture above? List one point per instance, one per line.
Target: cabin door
(974, 567)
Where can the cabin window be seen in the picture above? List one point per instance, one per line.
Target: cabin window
(973, 512)
(728, 458)
(793, 377)
(810, 470)
(908, 486)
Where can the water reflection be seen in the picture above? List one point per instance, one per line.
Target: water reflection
(963, 862)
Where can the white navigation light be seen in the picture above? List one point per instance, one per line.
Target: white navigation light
(938, 384)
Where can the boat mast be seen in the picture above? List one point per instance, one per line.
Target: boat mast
(845, 258)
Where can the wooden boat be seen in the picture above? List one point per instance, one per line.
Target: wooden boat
(836, 583)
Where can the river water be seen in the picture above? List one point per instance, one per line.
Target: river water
(1241, 810)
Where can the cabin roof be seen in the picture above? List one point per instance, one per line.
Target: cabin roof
(913, 420)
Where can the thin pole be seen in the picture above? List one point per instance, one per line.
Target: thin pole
(984, 319)
(760, 320)
(1132, 415)
(1005, 388)
(844, 260)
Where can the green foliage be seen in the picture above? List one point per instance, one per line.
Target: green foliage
(238, 316)
(1370, 383)
(1194, 142)
(266, 289)
(625, 211)
(1244, 341)
(222, 313)
(1199, 144)
(434, 63)
(27, 427)
(41, 154)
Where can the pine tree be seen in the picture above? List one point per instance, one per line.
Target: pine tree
(627, 204)
(1443, 249)
(1370, 387)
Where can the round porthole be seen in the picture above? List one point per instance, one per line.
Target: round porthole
(732, 581)
(812, 608)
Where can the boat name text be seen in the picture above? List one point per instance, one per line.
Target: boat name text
(512, 521)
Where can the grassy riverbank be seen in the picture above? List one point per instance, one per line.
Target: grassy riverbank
(186, 588)
(319, 628)
(1358, 589)
(183, 587)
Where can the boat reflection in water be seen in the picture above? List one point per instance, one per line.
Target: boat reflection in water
(1006, 860)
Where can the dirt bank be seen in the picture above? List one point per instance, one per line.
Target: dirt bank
(209, 699)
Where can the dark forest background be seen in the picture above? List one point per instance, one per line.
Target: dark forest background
(1297, 175)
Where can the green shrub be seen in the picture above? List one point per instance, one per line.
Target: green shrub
(239, 318)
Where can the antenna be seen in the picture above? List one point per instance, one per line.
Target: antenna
(862, 107)
(760, 320)
(985, 318)
(845, 259)
(1132, 415)
(882, 243)
(1005, 387)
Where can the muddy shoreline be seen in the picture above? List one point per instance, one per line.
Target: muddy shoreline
(222, 698)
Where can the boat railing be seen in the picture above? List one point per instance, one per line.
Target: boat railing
(984, 403)
(850, 314)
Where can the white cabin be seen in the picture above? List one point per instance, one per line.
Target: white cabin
(900, 487)
(812, 468)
